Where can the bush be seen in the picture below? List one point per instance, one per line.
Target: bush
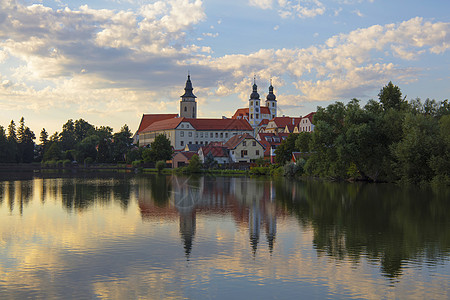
(160, 165)
(66, 163)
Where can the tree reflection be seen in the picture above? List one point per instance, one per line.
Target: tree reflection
(385, 222)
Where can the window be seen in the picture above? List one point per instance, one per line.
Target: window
(226, 134)
(217, 135)
(257, 109)
(243, 153)
(273, 104)
(201, 134)
(182, 132)
(221, 134)
(182, 143)
(256, 103)
(254, 143)
(251, 116)
(185, 108)
(257, 152)
(196, 142)
(196, 134)
(244, 143)
(182, 125)
(190, 134)
(251, 103)
(257, 116)
(211, 135)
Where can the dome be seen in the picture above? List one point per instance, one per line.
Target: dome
(271, 96)
(254, 94)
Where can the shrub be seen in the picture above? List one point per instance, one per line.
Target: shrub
(160, 165)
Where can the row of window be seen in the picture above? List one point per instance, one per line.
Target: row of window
(211, 134)
(244, 153)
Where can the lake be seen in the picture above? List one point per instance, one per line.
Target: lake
(126, 236)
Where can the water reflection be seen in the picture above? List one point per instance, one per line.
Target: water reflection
(383, 222)
(125, 228)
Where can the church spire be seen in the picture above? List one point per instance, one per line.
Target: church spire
(188, 89)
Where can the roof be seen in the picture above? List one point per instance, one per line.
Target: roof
(164, 124)
(264, 122)
(281, 122)
(148, 119)
(187, 154)
(309, 116)
(290, 127)
(216, 151)
(192, 147)
(265, 110)
(237, 139)
(241, 112)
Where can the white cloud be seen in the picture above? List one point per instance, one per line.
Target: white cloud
(263, 4)
(301, 8)
(358, 13)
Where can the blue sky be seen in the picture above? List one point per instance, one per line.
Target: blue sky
(109, 62)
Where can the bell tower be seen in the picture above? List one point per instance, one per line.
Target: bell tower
(254, 106)
(271, 102)
(188, 104)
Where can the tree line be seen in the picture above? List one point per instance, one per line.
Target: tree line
(78, 141)
(390, 140)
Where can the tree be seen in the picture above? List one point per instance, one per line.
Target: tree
(122, 142)
(3, 145)
(160, 149)
(12, 146)
(53, 152)
(43, 137)
(391, 97)
(67, 136)
(302, 141)
(194, 165)
(283, 153)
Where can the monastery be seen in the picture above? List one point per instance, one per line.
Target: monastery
(257, 121)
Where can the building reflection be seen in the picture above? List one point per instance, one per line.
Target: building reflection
(251, 202)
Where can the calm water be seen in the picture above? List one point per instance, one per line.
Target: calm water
(155, 237)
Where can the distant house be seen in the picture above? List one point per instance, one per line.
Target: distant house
(216, 151)
(306, 124)
(244, 148)
(271, 141)
(278, 124)
(182, 158)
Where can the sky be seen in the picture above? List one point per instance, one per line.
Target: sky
(110, 61)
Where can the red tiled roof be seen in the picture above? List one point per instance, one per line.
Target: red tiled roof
(216, 151)
(148, 119)
(264, 122)
(310, 116)
(241, 112)
(164, 124)
(220, 124)
(281, 122)
(265, 110)
(290, 127)
(189, 154)
(236, 140)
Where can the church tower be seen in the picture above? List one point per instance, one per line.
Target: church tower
(271, 102)
(254, 106)
(188, 104)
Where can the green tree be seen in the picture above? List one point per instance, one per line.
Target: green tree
(122, 142)
(302, 142)
(82, 130)
(391, 97)
(53, 152)
(283, 153)
(160, 149)
(419, 143)
(195, 165)
(43, 137)
(440, 162)
(3, 145)
(67, 136)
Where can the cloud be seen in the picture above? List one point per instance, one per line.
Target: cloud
(346, 65)
(358, 13)
(300, 8)
(263, 4)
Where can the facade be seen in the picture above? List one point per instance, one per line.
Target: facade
(149, 119)
(244, 148)
(184, 131)
(182, 158)
(278, 124)
(217, 151)
(306, 124)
